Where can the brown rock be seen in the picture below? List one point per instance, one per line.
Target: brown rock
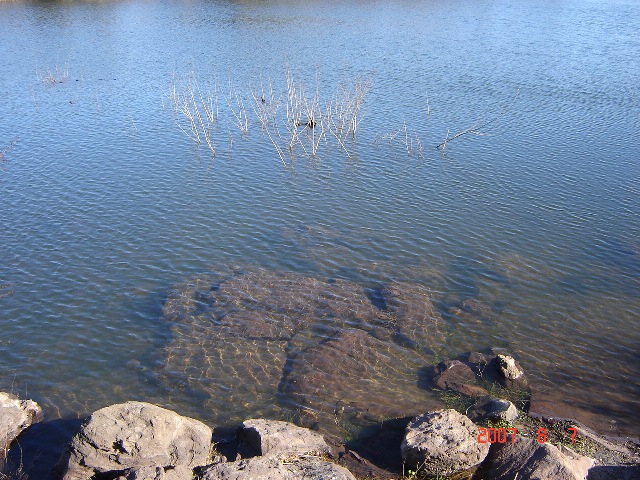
(355, 372)
(417, 323)
(452, 372)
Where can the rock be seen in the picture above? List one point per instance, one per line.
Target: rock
(529, 460)
(234, 331)
(451, 372)
(415, 320)
(443, 442)
(457, 376)
(15, 416)
(512, 373)
(355, 373)
(179, 472)
(277, 468)
(470, 390)
(271, 437)
(478, 359)
(494, 409)
(132, 435)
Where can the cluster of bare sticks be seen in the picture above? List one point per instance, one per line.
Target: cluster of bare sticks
(298, 119)
(55, 75)
(196, 109)
(479, 127)
(305, 122)
(3, 158)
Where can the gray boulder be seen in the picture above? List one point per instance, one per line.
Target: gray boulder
(133, 435)
(494, 409)
(277, 468)
(443, 442)
(530, 460)
(15, 416)
(271, 437)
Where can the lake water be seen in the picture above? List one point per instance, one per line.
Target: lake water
(529, 236)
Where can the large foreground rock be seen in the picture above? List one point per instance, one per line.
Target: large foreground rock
(530, 460)
(15, 416)
(443, 442)
(272, 437)
(277, 468)
(133, 435)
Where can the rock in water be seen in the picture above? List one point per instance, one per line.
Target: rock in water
(353, 372)
(443, 442)
(15, 416)
(133, 435)
(513, 373)
(492, 408)
(457, 376)
(417, 323)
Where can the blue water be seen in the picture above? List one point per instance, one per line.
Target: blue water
(105, 204)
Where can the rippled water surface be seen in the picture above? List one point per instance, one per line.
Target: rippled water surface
(527, 236)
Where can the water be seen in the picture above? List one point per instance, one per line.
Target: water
(106, 204)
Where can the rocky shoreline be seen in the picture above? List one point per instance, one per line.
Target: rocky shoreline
(494, 440)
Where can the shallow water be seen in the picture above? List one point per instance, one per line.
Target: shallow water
(528, 236)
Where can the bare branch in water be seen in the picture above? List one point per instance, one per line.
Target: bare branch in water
(3, 158)
(478, 126)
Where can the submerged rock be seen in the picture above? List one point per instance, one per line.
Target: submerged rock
(457, 376)
(254, 335)
(355, 372)
(443, 442)
(15, 416)
(414, 318)
(233, 333)
(134, 435)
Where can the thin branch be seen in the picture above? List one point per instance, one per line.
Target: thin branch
(476, 128)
